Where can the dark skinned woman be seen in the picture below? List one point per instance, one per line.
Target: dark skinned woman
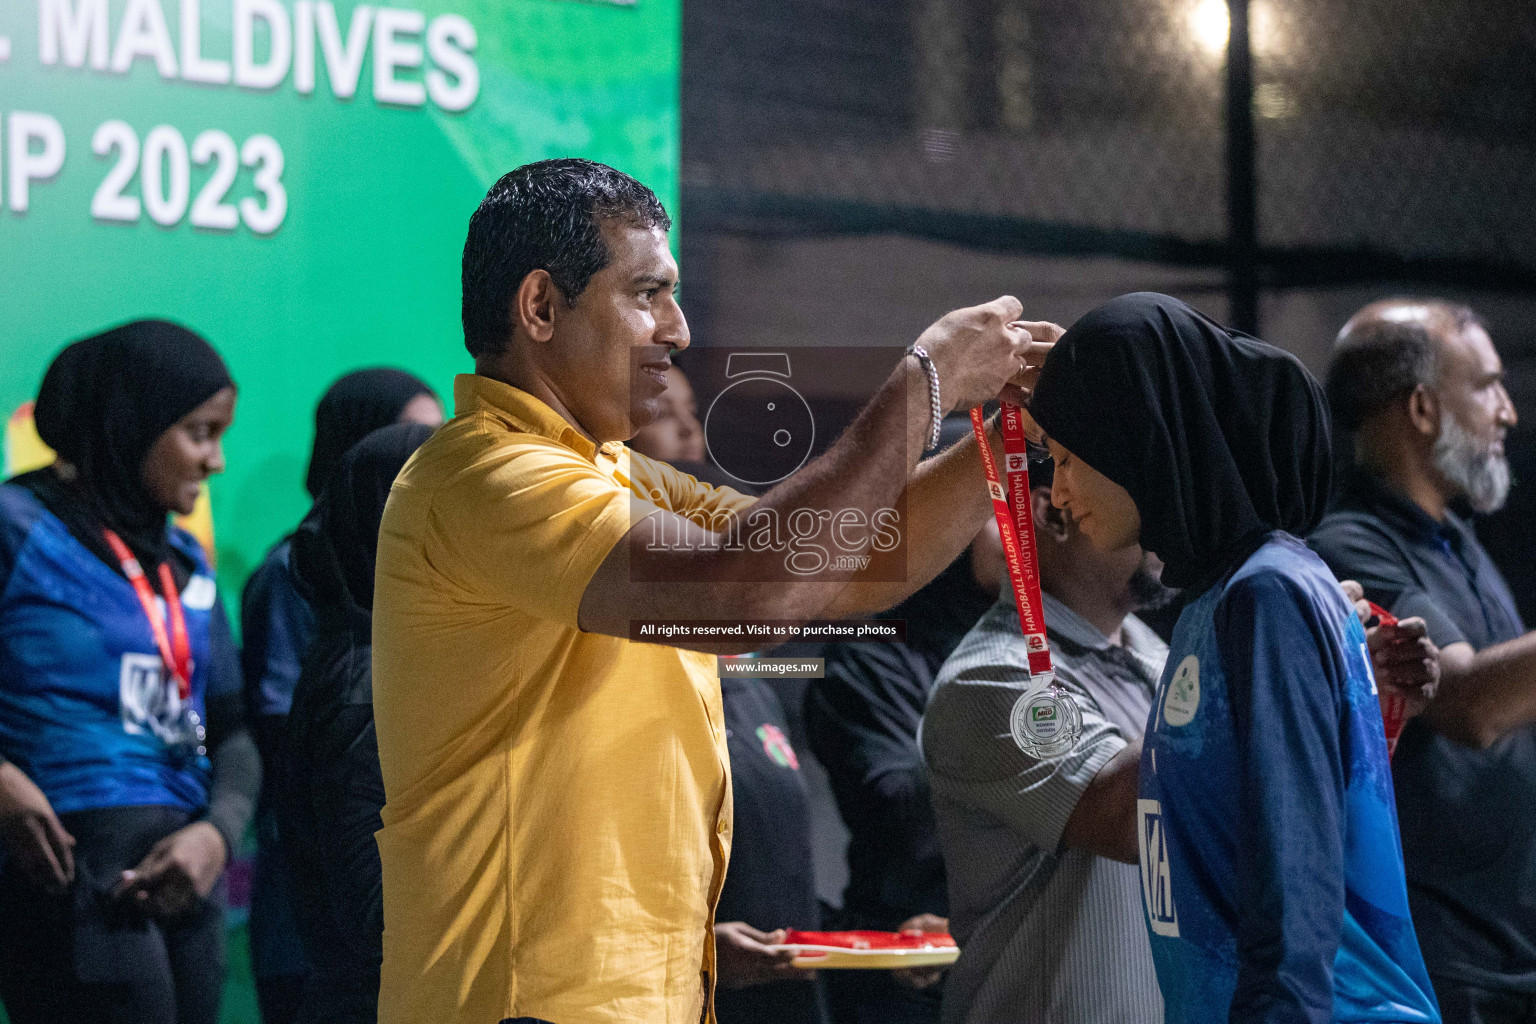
(126, 772)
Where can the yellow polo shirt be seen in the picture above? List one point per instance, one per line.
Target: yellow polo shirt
(559, 803)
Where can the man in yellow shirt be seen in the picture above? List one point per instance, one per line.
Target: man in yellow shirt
(559, 809)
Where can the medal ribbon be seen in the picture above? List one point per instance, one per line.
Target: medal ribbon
(1016, 522)
(1394, 706)
(175, 649)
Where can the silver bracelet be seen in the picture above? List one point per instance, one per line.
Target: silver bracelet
(935, 409)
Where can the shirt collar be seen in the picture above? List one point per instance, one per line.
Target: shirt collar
(523, 413)
(1370, 493)
(1138, 642)
(1072, 627)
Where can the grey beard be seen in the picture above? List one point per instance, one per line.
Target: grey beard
(1476, 470)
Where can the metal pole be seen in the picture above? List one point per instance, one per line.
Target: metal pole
(1242, 181)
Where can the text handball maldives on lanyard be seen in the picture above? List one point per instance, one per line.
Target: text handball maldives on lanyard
(1045, 720)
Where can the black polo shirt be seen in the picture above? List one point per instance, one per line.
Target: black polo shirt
(1468, 817)
(770, 883)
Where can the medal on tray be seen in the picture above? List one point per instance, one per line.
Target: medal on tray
(1045, 721)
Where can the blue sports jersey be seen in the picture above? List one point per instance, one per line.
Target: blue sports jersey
(86, 706)
(1272, 874)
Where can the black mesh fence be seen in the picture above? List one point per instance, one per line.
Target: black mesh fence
(1393, 137)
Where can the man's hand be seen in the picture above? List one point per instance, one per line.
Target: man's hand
(1407, 661)
(742, 956)
(181, 869)
(1043, 337)
(921, 977)
(1356, 594)
(32, 834)
(977, 350)
(1403, 657)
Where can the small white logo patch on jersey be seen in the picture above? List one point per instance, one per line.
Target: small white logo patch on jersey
(199, 595)
(1183, 697)
(1156, 874)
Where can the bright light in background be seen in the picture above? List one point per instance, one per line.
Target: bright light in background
(1210, 24)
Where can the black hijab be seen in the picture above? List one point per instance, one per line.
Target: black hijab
(1218, 437)
(103, 404)
(352, 408)
(336, 546)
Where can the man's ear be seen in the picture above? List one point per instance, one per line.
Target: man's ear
(1424, 411)
(1049, 521)
(533, 306)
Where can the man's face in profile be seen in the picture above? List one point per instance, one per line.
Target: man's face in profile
(614, 346)
(1475, 414)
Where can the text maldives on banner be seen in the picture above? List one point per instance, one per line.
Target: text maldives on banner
(292, 179)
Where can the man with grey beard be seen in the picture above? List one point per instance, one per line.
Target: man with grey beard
(1419, 385)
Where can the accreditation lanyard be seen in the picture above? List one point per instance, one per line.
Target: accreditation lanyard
(1394, 706)
(175, 649)
(1016, 523)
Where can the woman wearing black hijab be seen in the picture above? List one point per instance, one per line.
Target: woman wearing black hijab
(126, 773)
(329, 803)
(276, 627)
(1272, 877)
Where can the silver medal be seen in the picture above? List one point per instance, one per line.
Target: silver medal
(1045, 721)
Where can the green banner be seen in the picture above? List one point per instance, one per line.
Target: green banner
(292, 179)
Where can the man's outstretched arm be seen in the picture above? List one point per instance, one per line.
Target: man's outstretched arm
(698, 575)
(1485, 694)
(947, 502)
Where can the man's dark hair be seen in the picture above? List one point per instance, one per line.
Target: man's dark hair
(544, 216)
(1378, 360)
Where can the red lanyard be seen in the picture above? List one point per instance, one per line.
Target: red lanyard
(1016, 523)
(1394, 706)
(176, 649)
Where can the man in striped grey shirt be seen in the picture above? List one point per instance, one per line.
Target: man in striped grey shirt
(1045, 895)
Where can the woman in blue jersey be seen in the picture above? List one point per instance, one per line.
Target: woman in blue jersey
(1272, 875)
(126, 772)
(277, 626)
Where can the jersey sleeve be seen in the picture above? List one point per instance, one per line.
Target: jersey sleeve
(527, 525)
(19, 512)
(974, 761)
(277, 626)
(1355, 551)
(1286, 691)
